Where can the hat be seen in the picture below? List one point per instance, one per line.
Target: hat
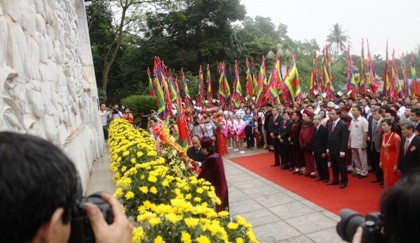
(307, 112)
(206, 142)
(288, 104)
(345, 108)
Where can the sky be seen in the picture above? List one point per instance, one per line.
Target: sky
(375, 20)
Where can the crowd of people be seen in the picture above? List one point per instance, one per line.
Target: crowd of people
(353, 136)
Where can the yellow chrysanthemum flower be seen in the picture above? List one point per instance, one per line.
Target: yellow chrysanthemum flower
(239, 240)
(126, 153)
(199, 190)
(153, 190)
(232, 226)
(144, 189)
(158, 239)
(185, 237)
(203, 239)
(118, 192)
(154, 221)
(152, 179)
(129, 195)
(191, 222)
(138, 234)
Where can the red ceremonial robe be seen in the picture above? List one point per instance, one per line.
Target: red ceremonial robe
(213, 171)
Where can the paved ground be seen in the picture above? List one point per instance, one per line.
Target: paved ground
(276, 214)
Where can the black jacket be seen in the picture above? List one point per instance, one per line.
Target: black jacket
(338, 139)
(410, 162)
(320, 140)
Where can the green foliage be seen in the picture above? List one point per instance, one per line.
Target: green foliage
(140, 104)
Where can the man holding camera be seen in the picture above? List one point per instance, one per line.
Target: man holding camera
(40, 186)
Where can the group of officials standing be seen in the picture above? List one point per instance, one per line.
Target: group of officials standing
(351, 138)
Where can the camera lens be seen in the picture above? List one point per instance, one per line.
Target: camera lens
(350, 221)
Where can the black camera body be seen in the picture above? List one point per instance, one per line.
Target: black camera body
(81, 230)
(372, 226)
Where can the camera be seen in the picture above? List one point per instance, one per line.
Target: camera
(81, 230)
(372, 226)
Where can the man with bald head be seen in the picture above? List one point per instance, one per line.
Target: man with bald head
(194, 152)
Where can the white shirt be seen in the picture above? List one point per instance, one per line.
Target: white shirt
(358, 127)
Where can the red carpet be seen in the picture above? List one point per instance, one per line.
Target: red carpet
(360, 195)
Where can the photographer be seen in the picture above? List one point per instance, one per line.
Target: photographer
(40, 186)
(399, 219)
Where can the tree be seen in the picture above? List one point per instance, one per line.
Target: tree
(127, 14)
(337, 40)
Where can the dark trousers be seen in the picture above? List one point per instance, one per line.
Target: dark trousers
(322, 167)
(297, 159)
(250, 138)
(276, 145)
(375, 165)
(105, 129)
(285, 154)
(339, 167)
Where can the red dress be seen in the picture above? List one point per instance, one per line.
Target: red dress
(221, 139)
(390, 152)
(213, 171)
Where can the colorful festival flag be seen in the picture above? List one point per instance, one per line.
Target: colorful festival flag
(326, 74)
(237, 97)
(209, 85)
(200, 97)
(187, 97)
(262, 77)
(292, 84)
(224, 89)
(414, 82)
(372, 82)
(249, 81)
(314, 88)
(351, 80)
(362, 80)
(159, 82)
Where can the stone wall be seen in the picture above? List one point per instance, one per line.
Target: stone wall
(47, 80)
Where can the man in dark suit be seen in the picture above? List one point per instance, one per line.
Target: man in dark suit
(194, 152)
(415, 117)
(336, 148)
(273, 128)
(320, 149)
(375, 136)
(409, 161)
(283, 136)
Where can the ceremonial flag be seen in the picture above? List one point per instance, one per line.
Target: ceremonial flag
(274, 82)
(172, 87)
(254, 76)
(152, 87)
(394, 76)
(414, 82)
(201, 86)
(314, 89)
(362, 81)
(406, 90)
(224, 89)
(249, 81)
(373, 83)
(292, 84)
(351, 81)
(183, 135)
(237, 88)
(187, 98)
(326, 74)
(160, 96)
(262, 77)
(209, 85)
